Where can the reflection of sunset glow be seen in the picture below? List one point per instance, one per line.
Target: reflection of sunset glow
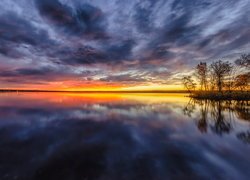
(69, 99)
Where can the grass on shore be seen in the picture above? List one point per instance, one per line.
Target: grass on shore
(225, 95)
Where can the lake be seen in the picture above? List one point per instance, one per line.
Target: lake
(64, 136)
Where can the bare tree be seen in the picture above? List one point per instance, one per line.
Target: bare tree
(189, 83)
(201, 74)
(231, 78)
(244, 61)
(219, 71)
(242, 81)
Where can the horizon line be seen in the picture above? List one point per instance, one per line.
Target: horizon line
(96, 91)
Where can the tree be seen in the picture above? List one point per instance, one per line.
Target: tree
(242, 81)
(219, 71)
(201, 74)
(243, 61)
(189, 83)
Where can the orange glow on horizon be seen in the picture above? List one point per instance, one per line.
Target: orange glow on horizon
(95, 86)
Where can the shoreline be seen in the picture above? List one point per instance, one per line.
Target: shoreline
(234, 95)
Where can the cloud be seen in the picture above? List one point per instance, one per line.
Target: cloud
(81, 55)
(86, 20)
(120, 36)
(124, 78)
(41, 75)
(16, 32)
(31, 72)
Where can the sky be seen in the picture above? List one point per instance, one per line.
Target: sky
(116, 44)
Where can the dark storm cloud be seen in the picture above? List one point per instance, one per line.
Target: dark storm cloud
(85, 20)
(9, 51)
(122, 34)
(28, 72)
(77, 55)
(143, 16)
(16, 31)
(81, 55)
(178, 31)
(121, 50)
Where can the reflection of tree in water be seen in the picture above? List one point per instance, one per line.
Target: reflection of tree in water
(244, 137)
(243, 112)
(189, 109)
(221, 124)
(242, 109)
(202, 122)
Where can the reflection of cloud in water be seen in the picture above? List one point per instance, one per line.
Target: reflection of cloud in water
(113, 141)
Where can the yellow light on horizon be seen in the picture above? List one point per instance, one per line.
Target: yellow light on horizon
(96, 86)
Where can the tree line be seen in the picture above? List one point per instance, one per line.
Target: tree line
(220, 76)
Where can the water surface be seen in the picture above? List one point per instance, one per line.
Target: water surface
(122, 136)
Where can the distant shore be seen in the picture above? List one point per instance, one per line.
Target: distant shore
(209, 95)
(226, 95)
(120, 91)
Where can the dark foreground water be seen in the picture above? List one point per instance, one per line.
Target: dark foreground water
(51, 136)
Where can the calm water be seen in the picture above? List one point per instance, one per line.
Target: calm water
(53, 136)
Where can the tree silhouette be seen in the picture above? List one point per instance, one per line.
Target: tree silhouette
(244, 61)
(219, 70)
(189, 83)
(242, 81)
(201, 74)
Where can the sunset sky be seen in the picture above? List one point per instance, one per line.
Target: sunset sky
(116, 44)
